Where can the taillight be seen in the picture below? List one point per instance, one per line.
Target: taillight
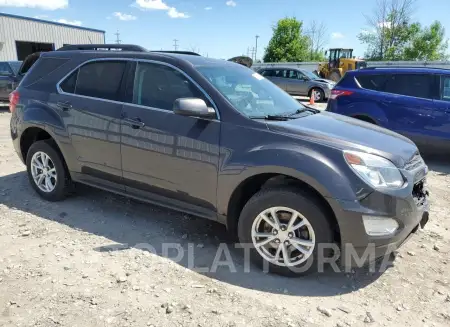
(338, 93)
(13, 100)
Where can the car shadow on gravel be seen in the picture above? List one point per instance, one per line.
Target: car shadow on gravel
(131, 224)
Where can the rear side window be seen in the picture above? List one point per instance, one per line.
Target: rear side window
(100, 79)
(97, 80)
(416, 85)
(372, 82)
(69, 83)
(267, 73)
(158, 86)
(5, 69)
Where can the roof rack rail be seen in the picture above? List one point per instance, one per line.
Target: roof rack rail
(103, 47)
(178, 52)
(407, 67)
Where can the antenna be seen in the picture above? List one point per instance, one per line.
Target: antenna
(117, 34)
(175, 44)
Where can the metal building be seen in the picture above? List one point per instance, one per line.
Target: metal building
(22, 36)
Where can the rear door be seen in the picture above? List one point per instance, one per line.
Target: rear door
(276, 76)
(6, 80)
(408, 105)
(87, 101)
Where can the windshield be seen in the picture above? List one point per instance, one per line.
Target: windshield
(310, 74)
(15, 65)
(249, 92)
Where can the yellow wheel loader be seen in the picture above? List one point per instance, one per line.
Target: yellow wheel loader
(339, 61)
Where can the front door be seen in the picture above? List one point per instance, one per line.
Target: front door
(167, 158)
(87, 103)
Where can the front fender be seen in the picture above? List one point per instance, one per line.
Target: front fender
(320, 171)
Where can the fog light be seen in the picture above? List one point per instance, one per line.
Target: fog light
(379, 226)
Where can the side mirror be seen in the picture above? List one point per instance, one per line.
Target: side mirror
(193, 107)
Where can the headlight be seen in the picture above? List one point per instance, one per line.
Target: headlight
(375, 170)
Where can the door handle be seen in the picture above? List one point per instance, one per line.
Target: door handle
(135, 123)
(64, 105)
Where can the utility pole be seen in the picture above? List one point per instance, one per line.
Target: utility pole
(117, 34)
(256, 48)
(252, 53)
(175, 44)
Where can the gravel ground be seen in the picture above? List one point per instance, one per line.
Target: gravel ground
(82, 262)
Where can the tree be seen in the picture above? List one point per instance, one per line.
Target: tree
(317, 34)
(428, 44)
(389, 28)
(287, 43)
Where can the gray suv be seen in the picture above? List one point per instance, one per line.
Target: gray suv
(299, 82)
(217, 140)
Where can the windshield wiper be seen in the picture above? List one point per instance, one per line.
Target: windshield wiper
(271, 117)
(299, 111)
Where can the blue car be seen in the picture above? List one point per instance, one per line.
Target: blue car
(414, 102)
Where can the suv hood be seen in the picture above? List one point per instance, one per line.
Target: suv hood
(349, 134)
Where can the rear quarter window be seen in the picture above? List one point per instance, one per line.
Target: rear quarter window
(42, 68)
(372, 82)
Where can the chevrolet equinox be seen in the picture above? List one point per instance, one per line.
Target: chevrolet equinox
(217, 140)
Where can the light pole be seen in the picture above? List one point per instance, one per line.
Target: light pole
(256, 48)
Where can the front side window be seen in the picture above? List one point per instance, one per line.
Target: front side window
(415, 85)
(445, 88)
(249, 92)
(158, 86)
(100, 79)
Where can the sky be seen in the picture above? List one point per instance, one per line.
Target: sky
(215, 28)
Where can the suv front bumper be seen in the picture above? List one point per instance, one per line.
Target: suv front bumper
(357, 247)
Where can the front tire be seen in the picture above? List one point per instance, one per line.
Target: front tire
(319, 94)
(47, 172)
(284, 228)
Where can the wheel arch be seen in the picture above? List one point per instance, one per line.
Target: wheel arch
(253, 184)
(33, 134)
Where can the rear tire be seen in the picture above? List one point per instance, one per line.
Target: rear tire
(316, 230)
(47, 172)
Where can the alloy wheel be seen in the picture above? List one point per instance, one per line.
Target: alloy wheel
(283, 236)
(44, 172)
